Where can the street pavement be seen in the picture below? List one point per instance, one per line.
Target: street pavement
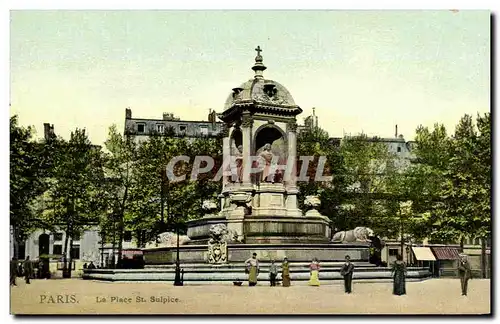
(77, 296)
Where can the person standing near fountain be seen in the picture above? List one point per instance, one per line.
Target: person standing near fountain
(464, 273)
(346, 272)
(314, 267)
(285, 272)
(399, 274)
(252, 266)
(273, 273)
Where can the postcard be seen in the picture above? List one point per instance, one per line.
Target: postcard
(250, 162)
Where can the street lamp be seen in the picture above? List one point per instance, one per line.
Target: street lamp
(177, 280)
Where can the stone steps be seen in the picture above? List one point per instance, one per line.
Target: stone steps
(238, 275)
(263, 265)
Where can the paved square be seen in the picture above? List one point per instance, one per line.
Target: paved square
(75, 296)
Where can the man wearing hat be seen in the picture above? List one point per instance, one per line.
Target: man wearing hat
(464, 272)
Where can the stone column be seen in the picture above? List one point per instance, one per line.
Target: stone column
(292, 153)
(246, 130)
(291, 185)
(226, 154)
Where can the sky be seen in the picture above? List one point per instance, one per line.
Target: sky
(363, 71)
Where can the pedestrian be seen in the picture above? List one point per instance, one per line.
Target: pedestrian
(273, 273)
(314, 270)
(40, 269)
(252, 268)
(285, 273)
(346, 271)
(464, 272)
(399, 274)
(13, 271)
(85, 265)
(28, 269)
(91, 265)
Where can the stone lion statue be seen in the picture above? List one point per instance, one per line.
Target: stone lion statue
(220, 232)
(359, 234)
(169, 239)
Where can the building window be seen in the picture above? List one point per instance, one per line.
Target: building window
(57, 249)
(182, 128)
(399, 149)
(58, 236)
(204, 130)
(160, 128)
(127, 236)
(141, 128)
(75, 252)
(393, 252)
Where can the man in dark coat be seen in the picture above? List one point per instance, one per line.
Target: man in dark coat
(13, 272)
(464, 272)
(346, 271)
(28, 269)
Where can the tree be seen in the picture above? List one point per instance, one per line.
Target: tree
(483, 174)
(30, 166)
(156, 198)
(315, 143)
(369, 166)
(117, 189)
(450, 181)
(71, 200)
(424, 181)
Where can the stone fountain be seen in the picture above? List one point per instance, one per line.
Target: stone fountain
(257, 210)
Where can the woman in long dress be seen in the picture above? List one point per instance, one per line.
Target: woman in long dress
(252, 268)
(399, 275)
(314, 268)
(285, 273)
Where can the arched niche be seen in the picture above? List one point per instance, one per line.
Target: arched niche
(236, 140)
(273, 135)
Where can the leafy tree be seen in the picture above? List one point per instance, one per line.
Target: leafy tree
(30, 166)
(483, 176)
(156, 198)
(315, 143)
(117, 189)
(72, 198)
(450, 181)
(369, 166)
(425, 178)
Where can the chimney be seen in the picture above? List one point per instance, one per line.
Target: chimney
(48, 131)
(128, 113)
(210, 115)
(396, 135)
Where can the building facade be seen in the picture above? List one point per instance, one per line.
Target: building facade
(170, 125)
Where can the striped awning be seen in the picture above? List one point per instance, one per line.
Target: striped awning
(445, 253)
(423, 253)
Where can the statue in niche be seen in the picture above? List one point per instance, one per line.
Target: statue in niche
(265, 160)
(239, 164)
